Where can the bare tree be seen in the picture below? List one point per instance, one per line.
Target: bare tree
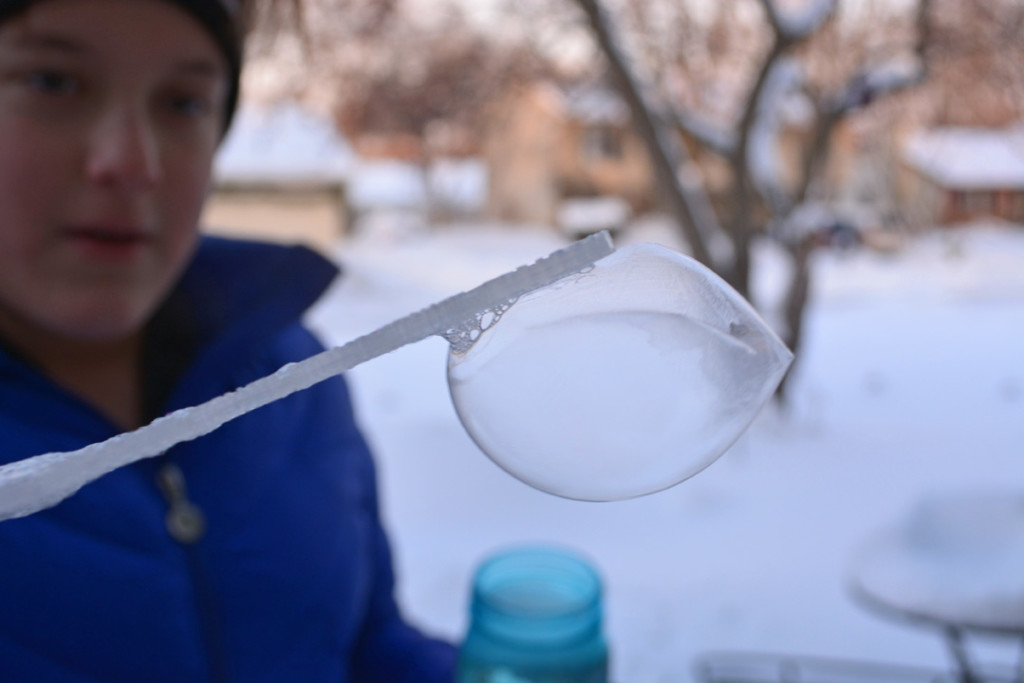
(975, 37)
(383, 66)
(760, 203)
(685, 200)
(306, 49)
(385, 72)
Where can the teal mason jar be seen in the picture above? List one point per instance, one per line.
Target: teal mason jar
(535, 617)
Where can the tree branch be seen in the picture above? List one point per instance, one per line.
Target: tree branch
(697, 223)
(739, 225)
(801, 24)
(787, 32)
(860, 91)
(706, 133)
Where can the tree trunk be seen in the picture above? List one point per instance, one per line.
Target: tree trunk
(692, 220)
(796, 305)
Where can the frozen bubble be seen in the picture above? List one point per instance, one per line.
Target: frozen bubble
(618, 382)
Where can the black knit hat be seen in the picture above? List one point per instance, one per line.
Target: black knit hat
(223, 20)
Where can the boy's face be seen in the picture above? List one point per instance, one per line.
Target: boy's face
(110, 114)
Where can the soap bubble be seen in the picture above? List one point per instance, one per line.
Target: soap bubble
(620, 381)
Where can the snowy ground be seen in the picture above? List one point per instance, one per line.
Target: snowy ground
(911, 382)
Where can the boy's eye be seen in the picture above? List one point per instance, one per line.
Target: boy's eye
(189, 105)
(53, 82)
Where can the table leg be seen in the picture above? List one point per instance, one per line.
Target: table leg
(955, 642)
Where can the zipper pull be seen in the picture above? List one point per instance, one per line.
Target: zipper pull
(184, 520)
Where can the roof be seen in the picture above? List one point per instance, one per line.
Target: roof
(595, 105)
(590, 104)
(969, 158)
(283, 144)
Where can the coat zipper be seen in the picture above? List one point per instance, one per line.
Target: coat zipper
(186, 524)
(184, 520)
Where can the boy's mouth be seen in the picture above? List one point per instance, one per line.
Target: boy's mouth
(109, 242)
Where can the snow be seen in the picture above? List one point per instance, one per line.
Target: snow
(911, 381)
(282, 143)
(969, 158)
(708, 131)
(805, 220)
(957, 558)
(893, 74)
(595, 105)
(782, 85)
(584, 215)
(387, 183)
(458, 184)
(805, 20)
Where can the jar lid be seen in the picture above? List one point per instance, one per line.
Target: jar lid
(537, 596)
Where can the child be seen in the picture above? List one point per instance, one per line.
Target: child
(255, 553)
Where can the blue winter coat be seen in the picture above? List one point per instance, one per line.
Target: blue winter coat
(291, 580)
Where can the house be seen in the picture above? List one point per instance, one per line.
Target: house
(545, 144)
(953, 175)
(281, 174)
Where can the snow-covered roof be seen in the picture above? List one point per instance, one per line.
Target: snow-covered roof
(282, 144)
(387, 184)
(583, 215)
(595, 105)
(969, 158)
(458, 184)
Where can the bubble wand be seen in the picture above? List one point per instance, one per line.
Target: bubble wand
(33, 484)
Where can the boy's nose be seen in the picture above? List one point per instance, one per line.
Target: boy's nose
(125, 152)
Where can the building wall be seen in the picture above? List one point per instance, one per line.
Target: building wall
(960, 206)
(606, 159)
(920, 201)
(519, 148)
(314, 218)
(926, 204)
(537, 156)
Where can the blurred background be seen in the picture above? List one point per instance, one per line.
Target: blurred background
(855, 168)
